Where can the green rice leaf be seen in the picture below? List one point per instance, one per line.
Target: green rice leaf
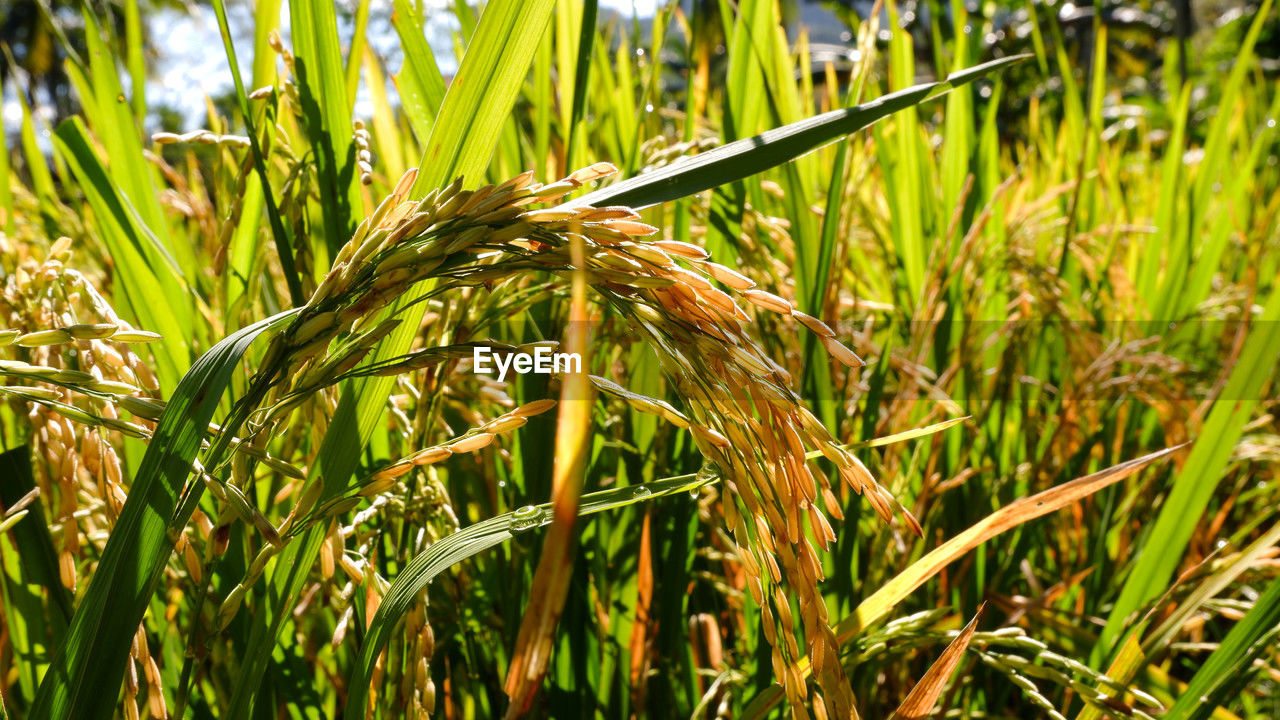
(89, 665)
(326, 106)
(1194, 485)
(470, 541)
(771, 148)
(1221, 676)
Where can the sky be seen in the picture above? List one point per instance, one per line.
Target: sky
(191, 63)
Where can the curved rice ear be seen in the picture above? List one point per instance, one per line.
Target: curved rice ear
(879, 604)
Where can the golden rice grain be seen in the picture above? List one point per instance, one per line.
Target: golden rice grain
(728, 276)
(430, 456)
(536, 407)
(816, 326)
(841, 353)
(391, 472)
(67, 570)
(648, 253)
(711, 436)
(135, 336)
(682, 249)
(505, 424)
(91, 331)
(592, 173)
(471, 443)
(405, 184)
(632, 228)
(549, 215)
(44, 337)
(768, 301)
(613, 212)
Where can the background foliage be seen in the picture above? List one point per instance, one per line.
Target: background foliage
(1076, 254)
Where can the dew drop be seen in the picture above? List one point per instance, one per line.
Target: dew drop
(640, 491)
(526, 518)
(709, 472)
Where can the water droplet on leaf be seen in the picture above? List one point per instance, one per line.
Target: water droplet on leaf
(526, 518)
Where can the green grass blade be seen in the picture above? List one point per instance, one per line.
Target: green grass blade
(135, 60)
(134, 178)
(34, 604)
(355, 55)
(1194, 485)
(266, 18)
(771, 148)
(1228, 667)
(326, 107)
(582, 75)
(470, 541)
(419, 81)
(32, 535)
(284, 245)
(8, 220)
(89, 665)
(483, 92)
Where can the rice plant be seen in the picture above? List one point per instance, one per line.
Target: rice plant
(926, 379)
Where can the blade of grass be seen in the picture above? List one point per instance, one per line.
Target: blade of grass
(355, 54)
(1210, 588)
(1194, 485)
(909, 434)
(326, 108)
(114, 123)
(266, 17)
(8, 220)
(587, 32)
(1228, 667)
(34, 604)
(419, 82)
(771, 148)
(89, 665)
(1129, 661)
(482, 93)
(137, 67)
(284, 244)
(470, 541)
(39, 557)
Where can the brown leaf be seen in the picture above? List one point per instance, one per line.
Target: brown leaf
(924, 695)
(555, 568)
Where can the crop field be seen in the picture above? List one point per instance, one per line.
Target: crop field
(916, 361)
